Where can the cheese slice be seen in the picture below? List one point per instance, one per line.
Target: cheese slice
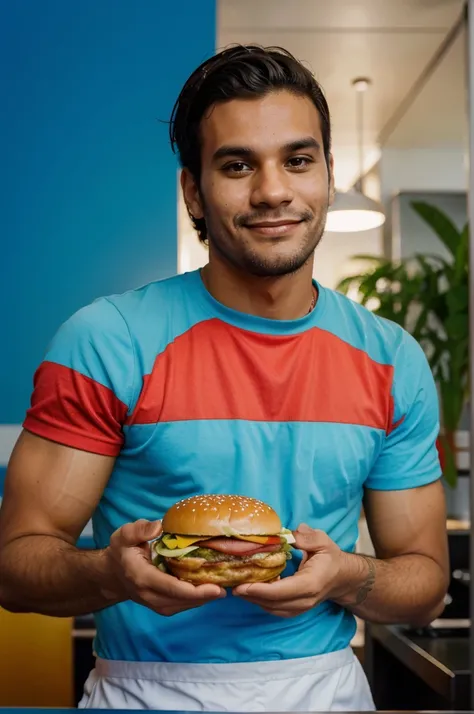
(254, 539)
(177, 541)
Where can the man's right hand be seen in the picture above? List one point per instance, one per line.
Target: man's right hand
(141, 581)
(51, 492)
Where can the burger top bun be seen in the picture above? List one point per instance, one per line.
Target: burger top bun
(216, 515)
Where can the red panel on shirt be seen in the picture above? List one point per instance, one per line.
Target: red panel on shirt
(74, 410)
(217, 371)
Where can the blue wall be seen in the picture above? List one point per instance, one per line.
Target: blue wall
(88, 188)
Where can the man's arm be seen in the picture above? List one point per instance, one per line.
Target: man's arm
(407, 580)
(405, 507)
(405, 583)
(56, 476)
(50, 494)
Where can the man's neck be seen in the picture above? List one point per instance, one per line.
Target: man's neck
(286, 297)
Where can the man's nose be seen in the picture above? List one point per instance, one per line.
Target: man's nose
(272, 187)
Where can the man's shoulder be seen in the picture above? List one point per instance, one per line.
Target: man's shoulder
(143, 318)
(153, 298)
(146, 304)
(383, 339)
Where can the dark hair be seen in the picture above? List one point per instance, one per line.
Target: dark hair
(238, 72)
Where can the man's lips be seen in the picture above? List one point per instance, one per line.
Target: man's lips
(274, 228)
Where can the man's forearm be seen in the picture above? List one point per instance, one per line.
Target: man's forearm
(46, 575)
(406, 589)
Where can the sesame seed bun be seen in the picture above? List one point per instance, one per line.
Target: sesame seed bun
(214, 515)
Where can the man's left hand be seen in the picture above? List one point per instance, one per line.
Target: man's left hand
(321, 576)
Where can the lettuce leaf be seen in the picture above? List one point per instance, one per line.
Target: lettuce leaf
(175, 553)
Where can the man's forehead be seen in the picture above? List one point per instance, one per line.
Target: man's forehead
(279, 117)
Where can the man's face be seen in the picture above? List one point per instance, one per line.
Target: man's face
(265, 186)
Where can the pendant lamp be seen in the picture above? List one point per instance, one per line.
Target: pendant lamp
(352, 210)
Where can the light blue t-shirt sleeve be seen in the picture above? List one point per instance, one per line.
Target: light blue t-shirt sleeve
(83, 387)
(409, 456)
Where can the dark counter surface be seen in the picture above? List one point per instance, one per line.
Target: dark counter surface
(435, 660)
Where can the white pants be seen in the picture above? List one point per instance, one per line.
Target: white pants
(330, 682)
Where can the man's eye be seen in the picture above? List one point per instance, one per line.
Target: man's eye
(236, 167)
(299, 162)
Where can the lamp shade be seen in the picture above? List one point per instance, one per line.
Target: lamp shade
(353, 211)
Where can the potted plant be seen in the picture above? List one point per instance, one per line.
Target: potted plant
(429, 297)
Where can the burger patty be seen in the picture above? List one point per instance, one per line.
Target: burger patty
(228, 573)
(216, 556)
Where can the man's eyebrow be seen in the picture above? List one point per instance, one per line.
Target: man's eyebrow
(227, 151)
(308, 142)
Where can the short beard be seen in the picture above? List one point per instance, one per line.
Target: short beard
(251, 262)
(261, 268)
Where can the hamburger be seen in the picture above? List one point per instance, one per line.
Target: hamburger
(224, 540)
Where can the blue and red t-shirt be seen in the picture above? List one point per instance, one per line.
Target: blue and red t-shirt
(193, 397)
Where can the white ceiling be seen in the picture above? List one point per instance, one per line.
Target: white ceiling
(390, 41)
(439, 114)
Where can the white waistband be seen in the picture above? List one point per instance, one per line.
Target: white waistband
(233, 672)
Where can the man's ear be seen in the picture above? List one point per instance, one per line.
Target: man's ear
(192, 197)
(331, 179)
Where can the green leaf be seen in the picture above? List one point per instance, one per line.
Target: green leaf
(461, 259)
(457, 299)
(428, 296)
(451, 402)
(436, 260)
(440, 223)
(438, 346)
(369, 257)
(345, 284)
(456, 326)
(420, 323)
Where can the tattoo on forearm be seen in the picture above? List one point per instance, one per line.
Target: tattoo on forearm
(363, 592)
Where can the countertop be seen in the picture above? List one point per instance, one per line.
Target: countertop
(447, 655)
(442, 662)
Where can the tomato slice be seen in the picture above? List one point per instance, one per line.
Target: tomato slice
(262, 540)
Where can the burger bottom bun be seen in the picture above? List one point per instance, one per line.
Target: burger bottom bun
(227, 574)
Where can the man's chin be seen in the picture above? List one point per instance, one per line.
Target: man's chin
(265, 257)
(275, 266)
(275, 258)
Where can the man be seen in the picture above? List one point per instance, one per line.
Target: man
(246, 377)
